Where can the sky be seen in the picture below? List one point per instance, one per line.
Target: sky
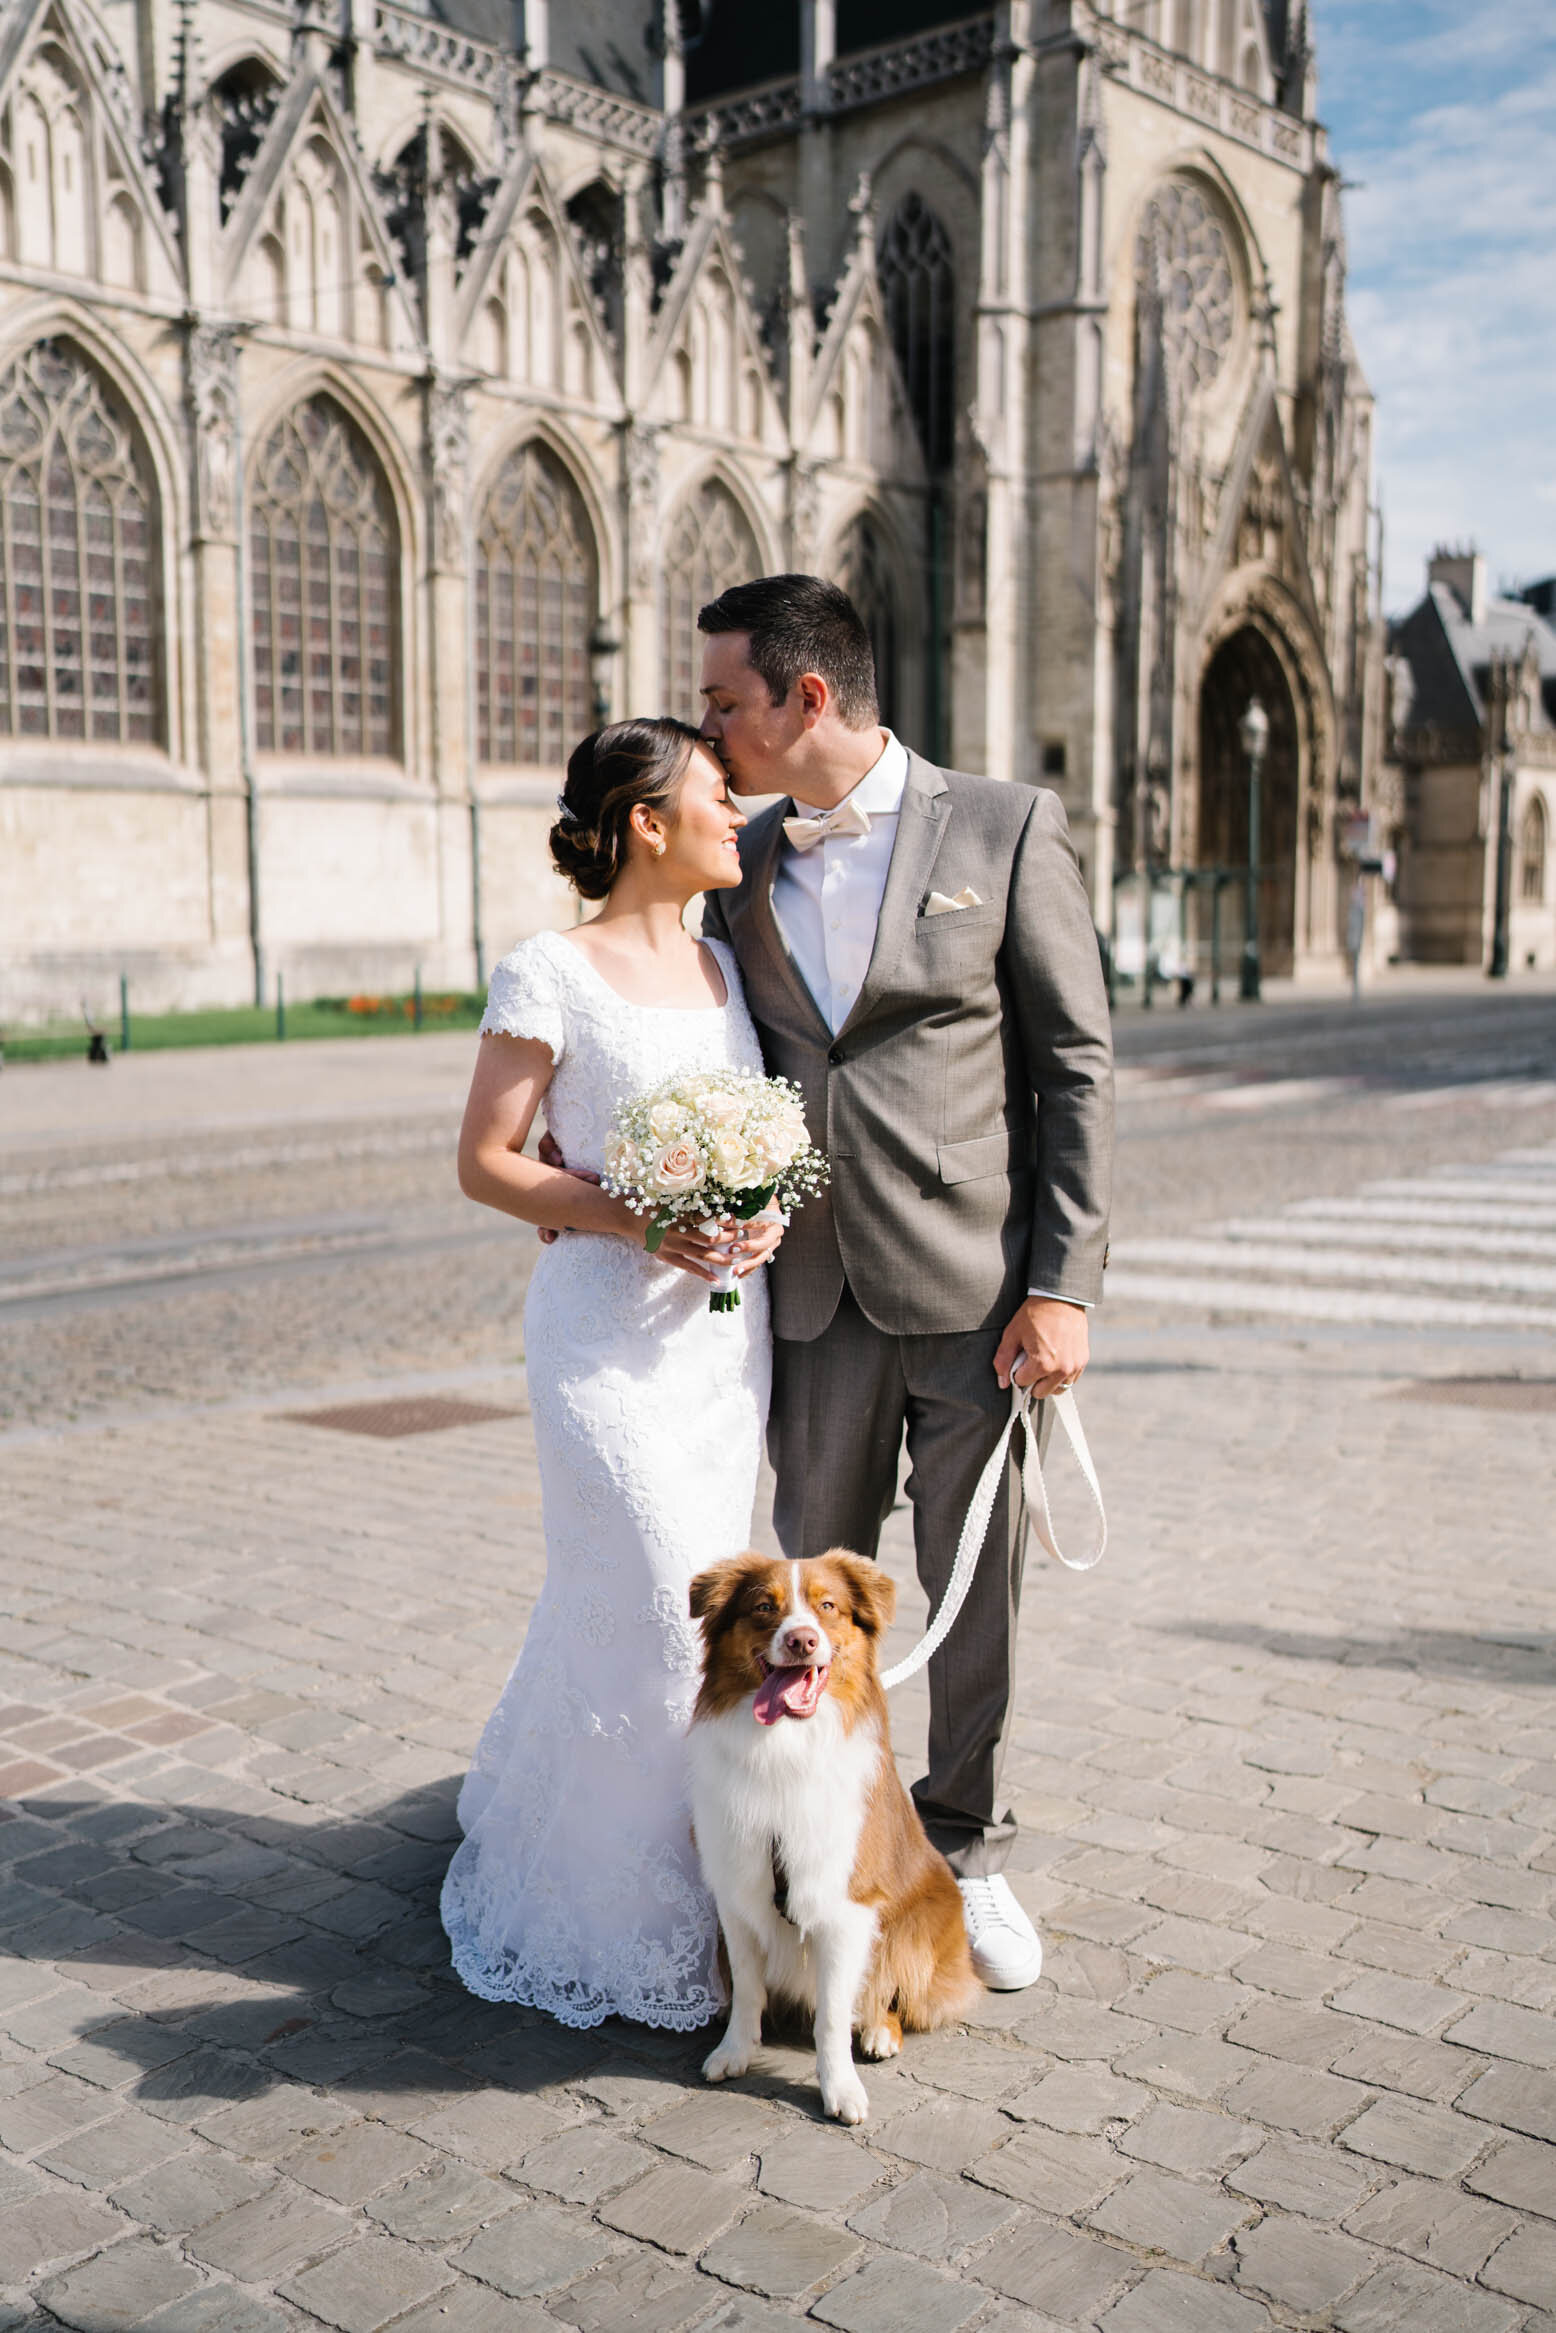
(1445, 112)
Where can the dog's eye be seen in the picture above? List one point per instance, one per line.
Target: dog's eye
(766, 1610)
(826, 1605)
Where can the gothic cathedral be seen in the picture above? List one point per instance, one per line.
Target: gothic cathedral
(383, 388)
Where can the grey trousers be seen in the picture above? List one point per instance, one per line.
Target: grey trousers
(839, 1408)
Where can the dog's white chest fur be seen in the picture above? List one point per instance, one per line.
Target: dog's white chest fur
(792, 1794)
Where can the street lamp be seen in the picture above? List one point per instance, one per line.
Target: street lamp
(604, 648)
(1253, 732)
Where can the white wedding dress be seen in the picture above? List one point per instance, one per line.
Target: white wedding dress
(576, 1888)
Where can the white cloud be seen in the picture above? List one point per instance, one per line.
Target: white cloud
(1446, 121)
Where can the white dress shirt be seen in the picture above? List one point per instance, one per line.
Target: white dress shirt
(827, 900)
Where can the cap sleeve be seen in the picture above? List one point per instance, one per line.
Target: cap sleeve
(524, 999)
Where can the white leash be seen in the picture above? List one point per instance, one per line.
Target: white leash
(1034, 1494)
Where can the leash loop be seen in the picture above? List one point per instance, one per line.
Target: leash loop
(1033, 1494)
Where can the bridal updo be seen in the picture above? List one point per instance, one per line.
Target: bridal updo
(609, 775)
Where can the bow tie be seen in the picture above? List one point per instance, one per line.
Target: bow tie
(846, 819)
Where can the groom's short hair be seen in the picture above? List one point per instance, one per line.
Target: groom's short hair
(798, 624)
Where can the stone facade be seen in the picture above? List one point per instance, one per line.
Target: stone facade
(381, 391)
(1471, 760)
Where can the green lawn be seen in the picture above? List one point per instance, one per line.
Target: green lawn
(248, 1025)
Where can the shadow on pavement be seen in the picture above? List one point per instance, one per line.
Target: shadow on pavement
(1519, 1658)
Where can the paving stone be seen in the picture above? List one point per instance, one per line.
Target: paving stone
(50, 2111)
(1395, 2061)
(817, 2168)
(1189, 2065)
(1166, 2303)
(219, 2308)
(948, 2134)
(1301, 2177)
(972, 2069)
(1392, 2000)
(1402, 2298)
(1054, 2270)
(630, 2091)
(1182, 2138)
(1189, 2003)
(1300, 2265)
(716, 2129)
(197, 2084)
(53, 2225)
(266, 2127)
(1503, 2031)
(1520, 2174)
(1079, 2098)
(262, 2240)
(1514, 2096)
(367, 2284)
(1081, 2029)
(494, 2129)
(1416, 2137)
(676, 2207)
(1295, 2098)
(740, 2314)
(584, 2165)
(441, 2205)
(887, 2296)
(467, 2307)
(116, 2053)
(1057, 2174)
(936, 2218)
(1164, 2214)
(120, 2287)
(1434, 2224)
(641, 2292)
(350, 2165)
(778, 2252)
(111, 2151)
(533, 2250)
(1298, 2035)
(190, 2190)
(1525, 2265)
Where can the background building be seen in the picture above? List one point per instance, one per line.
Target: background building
(1472, 768)
(381, 392)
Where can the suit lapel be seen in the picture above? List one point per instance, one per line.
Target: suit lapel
(921, 826)
(764, 924)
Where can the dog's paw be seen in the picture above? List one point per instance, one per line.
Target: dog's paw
(880, 2041)
(726, 2062)
(844, 2097)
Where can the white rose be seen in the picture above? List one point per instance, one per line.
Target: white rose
(678, 1168)
(665, 1121)
(731, 1160)
(723, 1109)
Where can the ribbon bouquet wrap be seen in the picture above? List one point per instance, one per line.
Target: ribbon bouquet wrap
(709, 1146)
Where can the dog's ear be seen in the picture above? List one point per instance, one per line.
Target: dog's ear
(712, 1591)
(874, 1592)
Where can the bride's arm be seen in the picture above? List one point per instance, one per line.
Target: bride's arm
(511, 1076)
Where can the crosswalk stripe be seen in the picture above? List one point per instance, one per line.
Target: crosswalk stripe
(1404, 1237)
(1523, 1190)
(1375, 1306)
(1521, 1279)
(1445, 1211)
(1513, 1094)
(1281, 1092)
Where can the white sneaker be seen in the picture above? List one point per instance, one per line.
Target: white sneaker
(1007, 1952)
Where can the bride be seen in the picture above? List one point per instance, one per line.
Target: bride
(576, 1888)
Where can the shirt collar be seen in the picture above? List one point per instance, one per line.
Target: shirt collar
(879, 792)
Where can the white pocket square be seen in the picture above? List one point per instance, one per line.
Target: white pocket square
(938, 904)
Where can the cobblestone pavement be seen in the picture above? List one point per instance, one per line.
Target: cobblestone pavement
(1285, 1768)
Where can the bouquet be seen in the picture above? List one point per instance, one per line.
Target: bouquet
(711, 1144)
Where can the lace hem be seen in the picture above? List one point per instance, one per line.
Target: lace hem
(574, 2004)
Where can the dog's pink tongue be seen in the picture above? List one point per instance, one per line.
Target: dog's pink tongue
(788, 1693)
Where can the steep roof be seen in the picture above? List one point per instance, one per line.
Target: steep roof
(1450, 656)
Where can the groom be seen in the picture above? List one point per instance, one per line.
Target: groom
(918, 955)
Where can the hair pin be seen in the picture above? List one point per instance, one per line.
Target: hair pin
(568, 814)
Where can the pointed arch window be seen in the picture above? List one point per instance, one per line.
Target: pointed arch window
(915, 267)
(323, 559)
(865, 571)
(1531, 853)
(80, 622)
(709, 547)
(536, 591)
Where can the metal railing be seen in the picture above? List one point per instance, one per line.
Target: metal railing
(1176, 927)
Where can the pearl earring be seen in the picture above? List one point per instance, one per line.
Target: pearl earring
(659, 846)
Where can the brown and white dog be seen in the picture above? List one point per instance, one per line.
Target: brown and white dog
(828, 1891)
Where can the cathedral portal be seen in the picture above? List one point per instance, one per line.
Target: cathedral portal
(1241, 668)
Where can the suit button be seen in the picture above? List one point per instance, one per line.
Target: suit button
(835, 1056)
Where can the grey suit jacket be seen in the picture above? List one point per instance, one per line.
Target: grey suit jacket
(966, 1103)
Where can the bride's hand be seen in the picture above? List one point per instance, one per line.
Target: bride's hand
(757, 1241)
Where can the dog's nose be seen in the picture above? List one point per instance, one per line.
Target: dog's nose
(801, 1644)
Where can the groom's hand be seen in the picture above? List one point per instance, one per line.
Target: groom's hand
(1046, 1347)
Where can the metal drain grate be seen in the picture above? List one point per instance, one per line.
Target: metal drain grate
(1485, 1393)
(422, 1414)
